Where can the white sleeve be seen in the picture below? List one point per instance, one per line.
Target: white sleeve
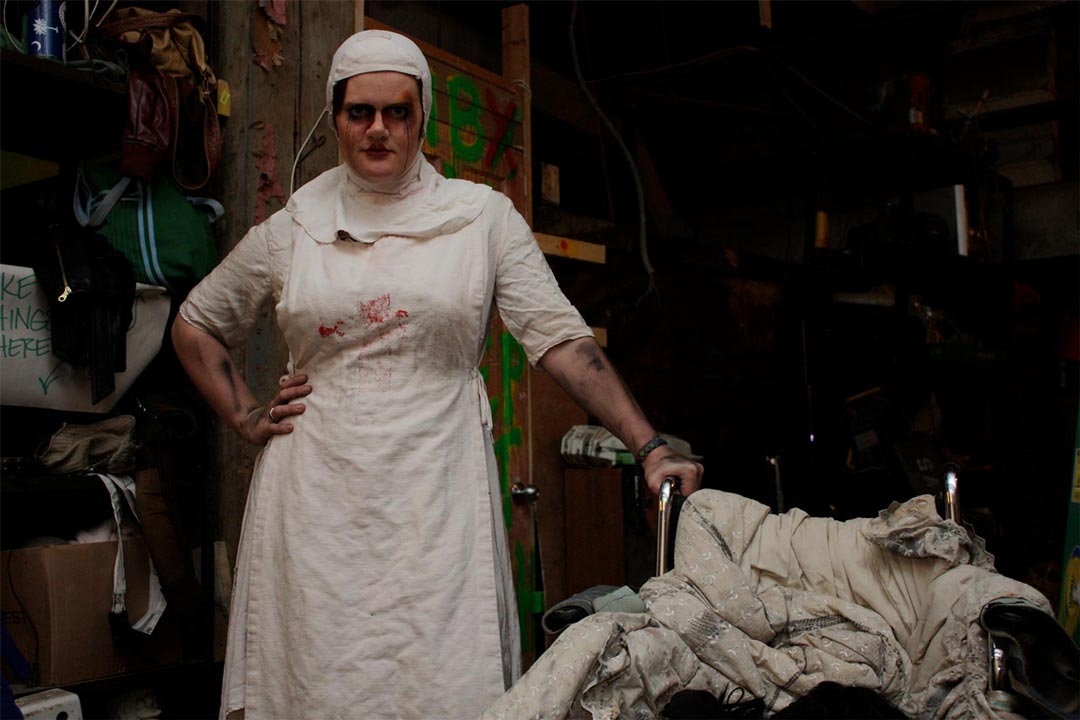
(530, 302)
(227, 302)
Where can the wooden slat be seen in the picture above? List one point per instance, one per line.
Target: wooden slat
(601, 336)
(559, 96)
(442, 71)
(576, 249)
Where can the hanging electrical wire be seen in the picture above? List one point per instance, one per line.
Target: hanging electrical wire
(642, 240)
(300, 150)
(88, 13)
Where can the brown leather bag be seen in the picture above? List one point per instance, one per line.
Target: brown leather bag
(179, 105)
(170, 40)
(151, 123)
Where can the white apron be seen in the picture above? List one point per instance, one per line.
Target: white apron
(373, 574)
(369, 528)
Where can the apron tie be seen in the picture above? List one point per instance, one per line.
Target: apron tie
(481, 394)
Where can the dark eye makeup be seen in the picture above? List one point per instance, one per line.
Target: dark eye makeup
(363, 111)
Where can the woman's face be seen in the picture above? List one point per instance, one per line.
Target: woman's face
(379, 124)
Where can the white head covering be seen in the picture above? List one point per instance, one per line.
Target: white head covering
(380, 51)
(420, 203)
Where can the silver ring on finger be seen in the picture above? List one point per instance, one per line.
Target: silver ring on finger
(270, 413)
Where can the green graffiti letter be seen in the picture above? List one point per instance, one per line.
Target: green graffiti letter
(432, 127)
(502, 446)
(466, 132)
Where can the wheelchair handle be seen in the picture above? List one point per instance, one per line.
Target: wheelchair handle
(668, 489)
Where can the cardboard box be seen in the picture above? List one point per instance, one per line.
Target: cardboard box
(56, 600)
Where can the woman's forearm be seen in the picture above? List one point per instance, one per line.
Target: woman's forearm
(210, 367)
(583, 370)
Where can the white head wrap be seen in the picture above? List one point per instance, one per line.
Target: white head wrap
(380, 51)
(420, 203)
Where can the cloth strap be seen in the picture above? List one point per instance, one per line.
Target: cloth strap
(477, 381)
(90, 209)
(122, 489)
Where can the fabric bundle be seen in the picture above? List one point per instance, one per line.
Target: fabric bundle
(771, 606)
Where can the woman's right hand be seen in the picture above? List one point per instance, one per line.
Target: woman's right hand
(273, 419)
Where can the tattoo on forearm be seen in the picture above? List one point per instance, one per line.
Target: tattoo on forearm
(591, 356)
(587, 378)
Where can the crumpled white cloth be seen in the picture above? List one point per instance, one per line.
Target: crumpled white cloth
(768, 606)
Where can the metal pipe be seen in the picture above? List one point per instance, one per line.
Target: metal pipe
(668, 489)
(778, 488)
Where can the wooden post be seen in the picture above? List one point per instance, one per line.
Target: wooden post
(517, 69)
(273, 108)
(516, 66)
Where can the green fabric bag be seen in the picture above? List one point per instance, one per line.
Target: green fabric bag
(166, 235)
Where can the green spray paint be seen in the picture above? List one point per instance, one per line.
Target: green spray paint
(432, 127)
(465, 115)
(530, 601)
(508, 433)
(502, 446)
(513, 368)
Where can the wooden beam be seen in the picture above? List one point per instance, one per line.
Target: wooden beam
(575, 249)
(560, 97)
(601, 335)
(358, 15)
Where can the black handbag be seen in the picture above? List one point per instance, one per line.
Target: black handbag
(90, 288)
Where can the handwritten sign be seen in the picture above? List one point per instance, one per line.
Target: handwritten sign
(31, 376)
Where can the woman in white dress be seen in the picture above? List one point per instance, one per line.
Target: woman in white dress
(383, 276)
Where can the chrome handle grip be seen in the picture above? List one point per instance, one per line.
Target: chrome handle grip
(668, 489)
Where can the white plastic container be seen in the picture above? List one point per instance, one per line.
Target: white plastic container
(51, 705)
